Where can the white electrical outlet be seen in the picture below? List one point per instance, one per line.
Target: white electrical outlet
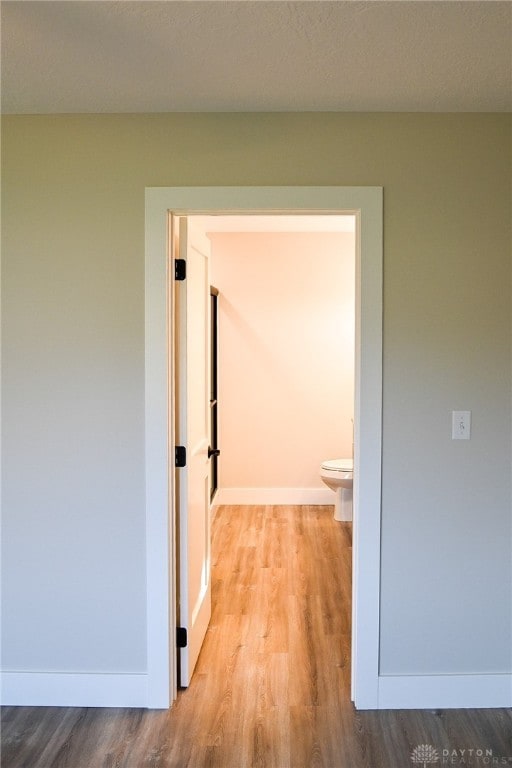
(461, 425)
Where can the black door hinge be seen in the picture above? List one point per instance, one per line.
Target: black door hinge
(180, 269)
(181, 637)
(180, 456)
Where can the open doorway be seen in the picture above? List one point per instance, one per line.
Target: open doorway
(287, 377)
(366, 205)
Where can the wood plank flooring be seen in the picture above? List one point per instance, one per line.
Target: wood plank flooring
(272, 684)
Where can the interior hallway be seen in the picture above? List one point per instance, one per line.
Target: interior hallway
(272, 685)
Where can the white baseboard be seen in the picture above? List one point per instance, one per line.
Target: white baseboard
(237, 496)
(55, 689)
(68, 689)
(444, 691)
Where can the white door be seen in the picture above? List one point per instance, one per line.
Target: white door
(192, 431)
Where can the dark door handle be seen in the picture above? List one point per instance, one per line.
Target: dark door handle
(213, 452)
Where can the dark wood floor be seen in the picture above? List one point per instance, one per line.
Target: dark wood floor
(272, 685)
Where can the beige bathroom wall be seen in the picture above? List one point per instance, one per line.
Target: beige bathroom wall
(286, 355)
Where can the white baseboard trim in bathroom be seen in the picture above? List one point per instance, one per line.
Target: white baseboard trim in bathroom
(69, 689)
(237, 496)
(444, 691)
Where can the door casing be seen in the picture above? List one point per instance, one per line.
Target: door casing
(366, 203)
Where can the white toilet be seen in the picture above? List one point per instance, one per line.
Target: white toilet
(338, 475)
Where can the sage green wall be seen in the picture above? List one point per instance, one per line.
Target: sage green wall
(73, 398)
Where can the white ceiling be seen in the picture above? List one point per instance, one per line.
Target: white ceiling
(255, 55)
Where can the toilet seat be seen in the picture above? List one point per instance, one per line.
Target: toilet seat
(339, 465)
(338, 475)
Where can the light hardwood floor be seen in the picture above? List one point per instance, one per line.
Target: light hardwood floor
(272, 685)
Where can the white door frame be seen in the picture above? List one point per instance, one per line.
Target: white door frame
(366, 204)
